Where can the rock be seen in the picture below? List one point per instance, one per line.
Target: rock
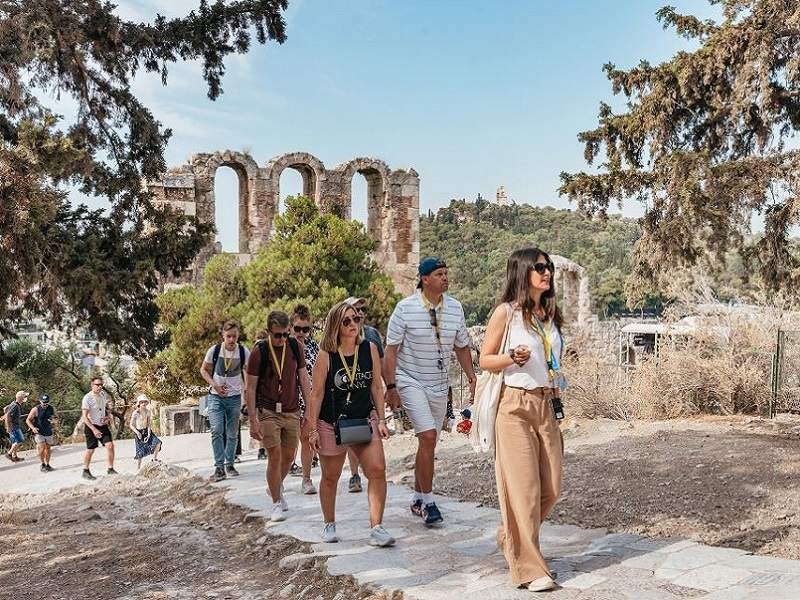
(297, 561)
(262, 540)
(251, 517)
(213, 569)
(286, 592)
(84, 507)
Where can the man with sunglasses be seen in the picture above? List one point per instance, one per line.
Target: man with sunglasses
(94, 414)
(424, 331)
(276, 372)
(371, 334)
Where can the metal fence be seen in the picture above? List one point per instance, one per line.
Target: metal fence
(786, 374)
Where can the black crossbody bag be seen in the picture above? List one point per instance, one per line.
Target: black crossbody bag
(350, 432)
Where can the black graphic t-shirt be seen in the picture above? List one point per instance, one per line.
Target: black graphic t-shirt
(337, 385)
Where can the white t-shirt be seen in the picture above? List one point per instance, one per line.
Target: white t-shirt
(418, 353)
(140, 418)
(233, 376)
(96, 405)
(533, 373)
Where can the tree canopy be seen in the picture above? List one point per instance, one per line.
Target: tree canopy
(706, 139)
(313, 258)
(99, 267)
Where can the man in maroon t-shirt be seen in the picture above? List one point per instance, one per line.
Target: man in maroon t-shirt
(276, 371)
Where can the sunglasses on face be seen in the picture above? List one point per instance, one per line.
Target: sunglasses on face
(540, 268)
(282, 334)
(96, 383)
(363, 310)
(298, 329)
(347, 320)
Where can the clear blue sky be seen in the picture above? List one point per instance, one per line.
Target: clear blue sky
(471, 94)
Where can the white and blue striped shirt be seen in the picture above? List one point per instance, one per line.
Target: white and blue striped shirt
(418, 353)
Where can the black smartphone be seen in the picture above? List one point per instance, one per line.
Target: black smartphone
(558, 408)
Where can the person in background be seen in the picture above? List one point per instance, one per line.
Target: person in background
(40, 422)
(301, 330)
(223, 370)
(12, 414)
(141, 422)
(529, 448)
(94, 414)
(373, 335)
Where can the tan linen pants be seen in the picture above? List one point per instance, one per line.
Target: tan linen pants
(528, 454)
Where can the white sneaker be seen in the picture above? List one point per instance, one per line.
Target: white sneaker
(284, 503)
(329, 533)
(277, 513)
(308, 487)
(542, 584)
(378, 536)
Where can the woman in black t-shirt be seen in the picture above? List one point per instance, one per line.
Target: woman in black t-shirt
(347, 375)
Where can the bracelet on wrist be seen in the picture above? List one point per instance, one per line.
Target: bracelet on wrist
(391, 386)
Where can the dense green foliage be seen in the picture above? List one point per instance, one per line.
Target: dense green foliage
(705, 139)
(59, 373)
(313, 258)
(72, 264)
(476, 238)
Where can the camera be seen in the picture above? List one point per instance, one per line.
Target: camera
(558, 408)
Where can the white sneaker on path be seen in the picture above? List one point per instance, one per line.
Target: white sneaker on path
(378, 536)
(542, 584)
(329, 533)
(277, 513)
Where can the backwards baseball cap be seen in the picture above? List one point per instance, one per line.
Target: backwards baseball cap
(44, 398)
(428, 266)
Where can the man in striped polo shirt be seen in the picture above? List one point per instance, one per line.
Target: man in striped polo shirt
(424, 331)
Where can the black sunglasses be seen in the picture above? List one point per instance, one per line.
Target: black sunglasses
(298, 329)
(432, 313)
(277, 336)
(347, 320)
(540, 268)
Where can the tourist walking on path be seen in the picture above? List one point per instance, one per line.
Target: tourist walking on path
(94, 414)
(347, 377)
(529, 447)
(40, 422)
(12, 415)
(424, 331)
(373, 335)
(141, 422)
(275, 369)
(301, 330)
(222, 369)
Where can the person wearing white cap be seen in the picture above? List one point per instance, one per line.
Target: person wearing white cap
(12, 415)
(141, 422)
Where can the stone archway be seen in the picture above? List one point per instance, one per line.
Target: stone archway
(376, 172)
(309, 166)
(573, 282)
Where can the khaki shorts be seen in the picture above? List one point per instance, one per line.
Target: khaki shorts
(279, 428)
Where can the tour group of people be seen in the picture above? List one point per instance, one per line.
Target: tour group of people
(96, 419)
(328, 399)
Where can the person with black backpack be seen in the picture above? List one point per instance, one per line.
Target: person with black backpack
(222, 369)
(276, 372)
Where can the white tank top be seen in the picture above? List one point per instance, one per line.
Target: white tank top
(533, 373)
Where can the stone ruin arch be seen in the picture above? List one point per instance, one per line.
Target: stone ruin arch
(393, 203)
(572, 282)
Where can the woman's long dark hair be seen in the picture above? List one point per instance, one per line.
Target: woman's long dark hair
(517, 290)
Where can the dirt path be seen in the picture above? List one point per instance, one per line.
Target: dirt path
(159, 535)
(728, 482)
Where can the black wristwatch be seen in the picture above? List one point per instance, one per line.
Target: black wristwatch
(511, 352)
(390, 386)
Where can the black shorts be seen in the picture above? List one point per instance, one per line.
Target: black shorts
(91, 440)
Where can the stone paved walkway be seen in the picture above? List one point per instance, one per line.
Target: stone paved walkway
(460, 561)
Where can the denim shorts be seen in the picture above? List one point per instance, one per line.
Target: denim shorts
(16, 436)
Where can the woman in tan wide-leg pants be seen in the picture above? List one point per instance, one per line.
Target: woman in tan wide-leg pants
(528, 469)
(523, 341)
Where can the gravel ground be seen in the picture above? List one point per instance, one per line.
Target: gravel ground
(161, 534)
(720, 481)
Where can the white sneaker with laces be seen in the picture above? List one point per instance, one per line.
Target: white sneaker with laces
(308, 487)
(277, 513)
(542, 584)
(329, 533)
(378, 536)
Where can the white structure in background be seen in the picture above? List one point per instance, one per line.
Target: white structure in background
(502, 197)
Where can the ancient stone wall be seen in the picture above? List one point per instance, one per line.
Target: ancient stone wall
(393, 203)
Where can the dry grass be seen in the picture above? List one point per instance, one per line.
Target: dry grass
(721, 365)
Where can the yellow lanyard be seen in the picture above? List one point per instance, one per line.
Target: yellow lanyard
(278, 368)
(351, 375)
(227, 361)
(429, 307)
(547, 344)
